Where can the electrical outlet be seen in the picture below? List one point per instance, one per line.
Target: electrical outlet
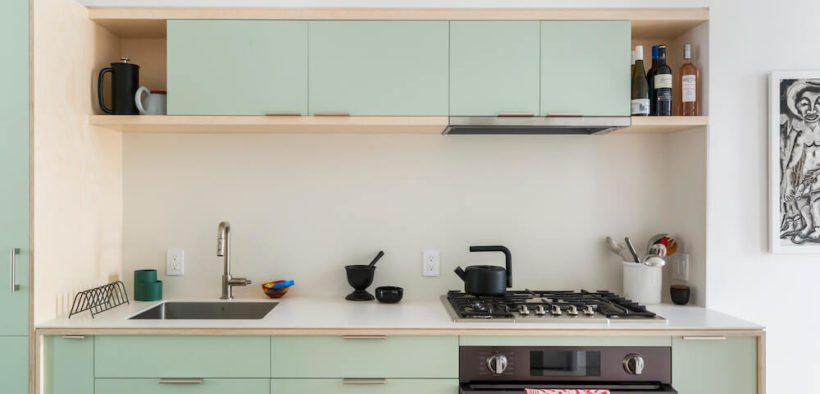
(681, 271)
(431, 263)
(175, 262)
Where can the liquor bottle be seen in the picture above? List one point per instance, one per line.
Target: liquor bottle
(650, 77)
(640, 86)
(662, 85)
(688, 78)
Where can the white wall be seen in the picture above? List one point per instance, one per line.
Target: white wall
(304, 206)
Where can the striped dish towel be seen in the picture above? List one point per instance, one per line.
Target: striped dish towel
(558, 391)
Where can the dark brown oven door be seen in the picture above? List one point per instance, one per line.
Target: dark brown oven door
(507, 388)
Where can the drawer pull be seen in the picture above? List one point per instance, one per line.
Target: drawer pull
(283, 114)
(515, 115)
(331, 114)
(364, 381)
(704, 338)
(365, 337)
(181, 381)
(73, 336)
(565, 115)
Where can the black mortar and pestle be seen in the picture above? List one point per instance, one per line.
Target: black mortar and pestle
(360, 277)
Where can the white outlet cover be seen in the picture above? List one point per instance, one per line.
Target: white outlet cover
(175, 262)
(431, 263)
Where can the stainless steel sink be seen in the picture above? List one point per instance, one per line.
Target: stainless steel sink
(207, 310)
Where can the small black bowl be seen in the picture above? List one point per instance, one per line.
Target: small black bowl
(680, 294)
(389, 294)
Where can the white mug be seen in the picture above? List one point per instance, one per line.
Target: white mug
(152, 103)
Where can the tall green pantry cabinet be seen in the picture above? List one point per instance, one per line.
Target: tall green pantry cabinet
(14, 196)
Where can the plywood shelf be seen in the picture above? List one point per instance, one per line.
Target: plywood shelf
(647, 23)
(337, 125)
(664, 124)
(272, 124)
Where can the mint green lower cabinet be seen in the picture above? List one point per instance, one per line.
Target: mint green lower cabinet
(565, 341)
(390, 357)
(338, 386)
(181, 356)
(715, 366)
(378, 68)
(69, 365)
(14, 365)
(494, 67)
(585, 67)
(157, 386)
(237, 67)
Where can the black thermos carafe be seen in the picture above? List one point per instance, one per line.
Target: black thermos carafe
(125, 80)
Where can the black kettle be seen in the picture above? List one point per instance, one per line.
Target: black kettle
(125, 80)
(487, 280)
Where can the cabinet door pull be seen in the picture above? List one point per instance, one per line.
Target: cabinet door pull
(365, 337)
(704, 338)
(14, 286)
(331, 114)
(181, 380)
(73, 336)
(364, 381)
(515, 115)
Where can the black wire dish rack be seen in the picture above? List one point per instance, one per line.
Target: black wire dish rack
(99, 299)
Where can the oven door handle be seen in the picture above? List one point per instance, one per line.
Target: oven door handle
(507, 389)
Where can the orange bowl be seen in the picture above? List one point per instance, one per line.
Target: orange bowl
(275, 293)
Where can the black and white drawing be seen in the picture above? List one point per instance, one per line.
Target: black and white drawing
(795, 162)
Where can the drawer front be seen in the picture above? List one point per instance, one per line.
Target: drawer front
(379, 68)
(232, 67)
(494, 67)
(715, 365)
(350, 386)
(564, 341)
(391, 357)
(585, 67)
(69, 364)
(13, 365)
(206, 386)
(181, 356)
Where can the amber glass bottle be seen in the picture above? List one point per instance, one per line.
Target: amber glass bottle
(688, 80)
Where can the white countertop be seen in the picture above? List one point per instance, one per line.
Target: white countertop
(332, 313)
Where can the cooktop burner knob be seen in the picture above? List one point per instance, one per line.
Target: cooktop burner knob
(497, 363)
(524, 310)
(540, 310)
(633, 364)
(588, 310)
(556, 310)
(572, 310)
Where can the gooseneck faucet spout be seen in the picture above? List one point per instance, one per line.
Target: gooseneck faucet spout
(223, 249)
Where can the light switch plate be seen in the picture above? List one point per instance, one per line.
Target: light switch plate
(431, 263)
(175, 262)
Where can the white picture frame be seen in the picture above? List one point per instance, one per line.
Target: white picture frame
(794, 140)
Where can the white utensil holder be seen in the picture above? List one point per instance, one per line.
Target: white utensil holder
(642, 283)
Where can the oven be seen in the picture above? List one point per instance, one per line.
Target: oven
(512, 369)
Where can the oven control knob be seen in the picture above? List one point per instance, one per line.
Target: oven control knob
(633, 364)
(497, 363)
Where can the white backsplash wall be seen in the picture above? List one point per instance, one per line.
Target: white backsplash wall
(303, 206)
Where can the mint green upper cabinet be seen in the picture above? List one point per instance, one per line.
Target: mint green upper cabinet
(585, 67)
(14, 167)
(236, 67)
(69, 365)
(379, 68)
(727, 366)
(494, 67)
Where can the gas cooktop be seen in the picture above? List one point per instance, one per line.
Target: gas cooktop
(539, 306)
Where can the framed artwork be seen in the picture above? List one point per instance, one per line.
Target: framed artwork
(794, 162)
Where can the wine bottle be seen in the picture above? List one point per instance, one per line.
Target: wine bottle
(662, 85)
(688, 78)
(640, 86)
(650, 77)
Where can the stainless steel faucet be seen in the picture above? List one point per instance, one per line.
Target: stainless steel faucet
(223, 248)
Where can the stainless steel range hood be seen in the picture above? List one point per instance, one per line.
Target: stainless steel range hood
(528, 124)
